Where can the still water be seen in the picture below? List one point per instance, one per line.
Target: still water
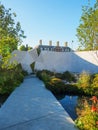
(3, 99)
(69, 103)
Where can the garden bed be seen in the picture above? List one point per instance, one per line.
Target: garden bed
(84, 84)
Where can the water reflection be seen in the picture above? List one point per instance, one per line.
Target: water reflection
(69, 103)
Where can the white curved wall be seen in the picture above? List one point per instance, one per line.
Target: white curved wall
(71, 61)
(58, 61)
(25, 58)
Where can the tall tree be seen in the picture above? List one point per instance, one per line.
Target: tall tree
(87, 31)
(11, 33)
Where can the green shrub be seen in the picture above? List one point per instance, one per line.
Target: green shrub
(38, 51)
(88, 84)
(56, 86)
(94, 85)
(24, 72)
(58, 75)
(88, 119)
(38, 74)
(10, 79)
(48, 72)
(72, 89)
(68, 76)
(32, 66)
(45, 77)
(43, 73)
(84, 83)
(6, 83)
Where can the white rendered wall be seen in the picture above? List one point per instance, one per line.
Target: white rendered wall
(71, 61)
(25, 58)
(58, 61)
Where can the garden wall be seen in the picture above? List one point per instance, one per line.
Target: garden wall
(58, 61)
(71, 61)
(25, 58)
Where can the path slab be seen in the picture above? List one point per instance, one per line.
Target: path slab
(32, 107)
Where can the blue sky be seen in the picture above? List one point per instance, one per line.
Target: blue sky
(54, 20)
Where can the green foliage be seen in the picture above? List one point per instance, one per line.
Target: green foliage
(32, 66)
(88, 84)
(29, 48)
(25, 48)
(10, 31)
(10, 79)
(84, 83)
(40, 73)
(72, 89)
(43, 75)
(87, 31)
(38, 51)
(11, 35)
(94, 85)
(56, 86)
(22, 48)
(88, 119)
(59, 75)
(68, 76)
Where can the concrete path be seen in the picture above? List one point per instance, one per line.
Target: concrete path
(32, 107)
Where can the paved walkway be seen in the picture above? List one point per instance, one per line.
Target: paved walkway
(32, 107)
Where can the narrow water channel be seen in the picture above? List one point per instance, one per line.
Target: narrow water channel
(69, 103)
(3, 98)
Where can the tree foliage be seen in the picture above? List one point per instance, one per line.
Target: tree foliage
(87, 31)
(25, 48)
(10, 31)
(11, 75)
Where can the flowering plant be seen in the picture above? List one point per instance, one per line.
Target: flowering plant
(94, 107)
(88, 120)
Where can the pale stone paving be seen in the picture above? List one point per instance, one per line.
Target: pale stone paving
(32, 107)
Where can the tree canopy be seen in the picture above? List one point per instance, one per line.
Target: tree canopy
(11, 33)
(87, 31)
(25, 48)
